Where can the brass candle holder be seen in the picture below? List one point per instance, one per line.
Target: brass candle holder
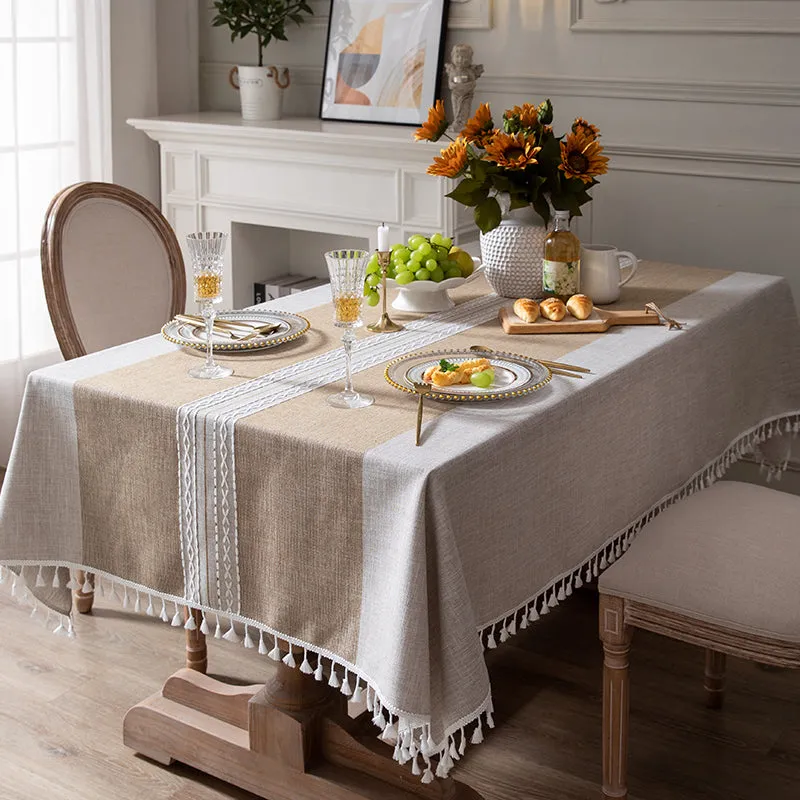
(385, 324)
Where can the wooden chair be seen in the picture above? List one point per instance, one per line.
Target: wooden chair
(718, 570)
(113, 272)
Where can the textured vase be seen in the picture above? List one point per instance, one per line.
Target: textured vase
(512, 254)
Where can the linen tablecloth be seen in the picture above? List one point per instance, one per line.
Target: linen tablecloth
(391, 566)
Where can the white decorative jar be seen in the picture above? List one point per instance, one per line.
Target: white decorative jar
(512, 254)
(260, 91)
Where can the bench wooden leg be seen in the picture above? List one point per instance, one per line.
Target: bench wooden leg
(714, 681)
(616, 637)
(83, 600)
(196, 651)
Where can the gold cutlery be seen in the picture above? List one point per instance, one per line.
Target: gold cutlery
(556, 367)
(421, 389)
(233, 327)
(671, 324)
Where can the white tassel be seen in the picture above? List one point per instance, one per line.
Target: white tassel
(149, 610)
(370, 699)
(345, 688)
(603, 562)
(164, 616)
(490, 642)
(441, 768)
(137, 606)
(249, 644)
(533, 614)
(561, 595)
(430, 745)
(544, 609)
(39, 578)
(358, 693)
(177, 619)
(512, 626)
(190, 624)
(204, 628)
(523, 622)
(333, 680)
(477, 734)
(288, 659)
(453, 749)
(56, 582)
(70, 629)
(504, 634)
(389, 732)
(462, 748)
(578, 581)
(415, 770)
(319, 675)
(262, 647)
(305, 667)
(275, 653)
(378, 719)
(218, 629)
(427, 776)
(87, 587)
(553, 601)
(490, 718)
(231, 635)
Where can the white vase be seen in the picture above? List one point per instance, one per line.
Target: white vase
(260, 91)
(512, 254)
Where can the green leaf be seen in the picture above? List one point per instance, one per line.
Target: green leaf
(447, 366)
(488, 214)
(542, 208)
(469, 192)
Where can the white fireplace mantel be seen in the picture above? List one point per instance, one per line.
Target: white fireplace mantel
(294, 175)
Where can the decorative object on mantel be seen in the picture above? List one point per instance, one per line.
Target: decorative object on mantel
(383, 60)
(511, 175)
(462, 77)
(260, 88)
(381, 258)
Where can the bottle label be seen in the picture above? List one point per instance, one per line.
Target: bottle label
(561, 277)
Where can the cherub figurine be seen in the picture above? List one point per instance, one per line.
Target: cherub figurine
(462, 75)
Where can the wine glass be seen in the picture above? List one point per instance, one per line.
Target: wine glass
(206, 250)
(348, 270)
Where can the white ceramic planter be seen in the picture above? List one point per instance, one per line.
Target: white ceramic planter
(425, 297)
(512, 254)
(260, 91)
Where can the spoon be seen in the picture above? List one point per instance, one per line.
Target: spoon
(421, 389)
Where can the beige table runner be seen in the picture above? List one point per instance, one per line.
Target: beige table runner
(327, 528)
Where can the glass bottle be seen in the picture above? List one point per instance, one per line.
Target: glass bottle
(561, 265)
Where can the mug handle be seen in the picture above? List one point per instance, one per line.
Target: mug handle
(634, 265)
(233, 78)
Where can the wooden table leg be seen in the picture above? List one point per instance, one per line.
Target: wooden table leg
(714, 682)
(196, 650)
(616, 637)
(289, 740)
(83, 600)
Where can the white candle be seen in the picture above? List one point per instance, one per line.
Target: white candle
(383, 237)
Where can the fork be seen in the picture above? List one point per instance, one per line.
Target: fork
(421, 389)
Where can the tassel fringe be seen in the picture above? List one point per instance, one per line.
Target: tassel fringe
(412, 736)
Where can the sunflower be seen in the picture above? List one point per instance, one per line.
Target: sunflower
(525, 115)
(581, 157)
(479, 129)
(582, 126)
(434, 127)
(513, 151)
(451, 161)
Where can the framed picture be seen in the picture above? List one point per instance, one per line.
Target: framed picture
(383, 60)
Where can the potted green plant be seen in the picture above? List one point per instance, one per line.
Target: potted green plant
(261, 87)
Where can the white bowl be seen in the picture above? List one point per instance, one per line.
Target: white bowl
(425, 297)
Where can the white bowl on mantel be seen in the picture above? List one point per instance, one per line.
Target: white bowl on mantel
(425, 297)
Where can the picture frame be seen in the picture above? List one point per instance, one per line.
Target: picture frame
(383, 60)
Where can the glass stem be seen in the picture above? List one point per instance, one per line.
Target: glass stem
(208, 315)
(348, 337)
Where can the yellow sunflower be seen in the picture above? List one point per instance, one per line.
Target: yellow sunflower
(451, 161)
(581, 157)
(512, 150)
(582, 126)
(526, 115)
(434, 127)
(480, 127)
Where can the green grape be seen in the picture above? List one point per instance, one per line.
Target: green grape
(453, 272)
(373, 279)
(431, 264)
(416, 257)
(373, 298)
(440, 254)
(402, 253)
(372, 269)
(391, 272)
(415, 241)
(367, 289)
(448, 263)
(424, 248)
(447, 242)
(437, 238)
(397, 246)
(422, 274)
(437, 274)
(404, 277)
(483, 380)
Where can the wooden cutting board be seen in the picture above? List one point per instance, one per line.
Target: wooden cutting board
(599, 321)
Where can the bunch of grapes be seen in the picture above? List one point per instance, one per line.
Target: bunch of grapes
(420, 259)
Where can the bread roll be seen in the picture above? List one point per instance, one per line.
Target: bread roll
(553, 309)
(580, 306)
(527, 310)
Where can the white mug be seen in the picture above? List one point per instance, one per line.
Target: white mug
(601, 272)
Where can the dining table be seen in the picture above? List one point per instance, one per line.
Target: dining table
(369, 568)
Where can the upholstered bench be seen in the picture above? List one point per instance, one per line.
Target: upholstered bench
(720, 570)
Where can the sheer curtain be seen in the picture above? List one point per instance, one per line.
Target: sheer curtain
(54, 130)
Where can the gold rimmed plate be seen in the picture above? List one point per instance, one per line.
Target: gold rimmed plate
(289, 327)
(514, 376)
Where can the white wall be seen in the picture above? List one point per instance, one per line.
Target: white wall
(698, 101)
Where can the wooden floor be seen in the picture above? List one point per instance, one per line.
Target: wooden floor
(62, 702)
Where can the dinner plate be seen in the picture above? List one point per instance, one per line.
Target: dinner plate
(291, 326)
(514, 375)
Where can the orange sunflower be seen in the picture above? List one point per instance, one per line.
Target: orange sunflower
(451, 161)
(582, 126)
(581, 157)
(434, 127)
(512, 150)
(526, 115)
(480, 127)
